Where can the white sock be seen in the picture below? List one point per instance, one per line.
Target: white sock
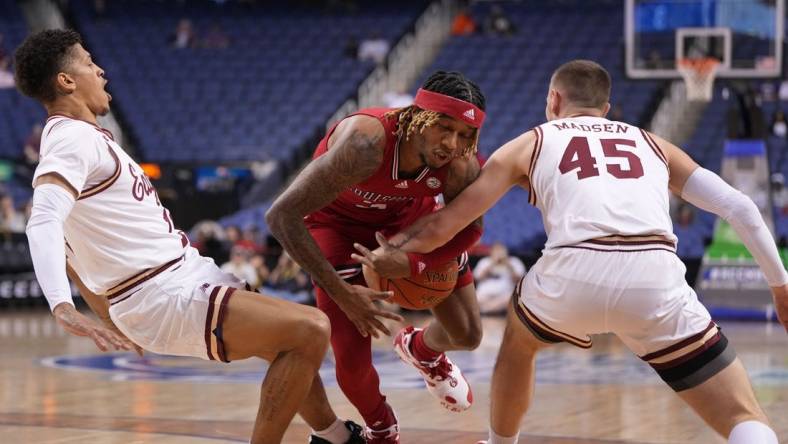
(752, 432)
(495, 439)
(336, 433)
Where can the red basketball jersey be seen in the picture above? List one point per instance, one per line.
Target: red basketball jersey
(383, 201)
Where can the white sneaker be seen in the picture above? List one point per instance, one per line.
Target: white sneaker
(443, 378)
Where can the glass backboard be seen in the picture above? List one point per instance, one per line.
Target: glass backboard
(746, 36)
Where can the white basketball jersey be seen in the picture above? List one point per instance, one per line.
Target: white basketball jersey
(592, 177)
(118, 226)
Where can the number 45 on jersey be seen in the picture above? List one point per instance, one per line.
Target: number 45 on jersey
(577, 156)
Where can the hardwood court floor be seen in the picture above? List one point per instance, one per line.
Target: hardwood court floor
(58, 389)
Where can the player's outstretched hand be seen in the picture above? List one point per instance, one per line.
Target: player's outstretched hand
(111, 325)
(389, 262)
(78, 324)
(358, 305)
(780, 295)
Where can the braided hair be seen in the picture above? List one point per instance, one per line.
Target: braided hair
(449, 83)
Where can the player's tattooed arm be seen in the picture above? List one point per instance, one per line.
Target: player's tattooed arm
(356, 152)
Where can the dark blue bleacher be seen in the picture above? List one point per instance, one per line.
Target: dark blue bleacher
(261, 99)
(17, 113)
(253, 216)
(516, 223)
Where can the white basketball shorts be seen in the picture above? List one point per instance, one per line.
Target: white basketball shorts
(638, 294)
(178, 308)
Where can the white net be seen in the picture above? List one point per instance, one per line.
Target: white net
(699, 75)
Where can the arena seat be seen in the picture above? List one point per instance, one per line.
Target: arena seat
(238, 104)
(18, 114)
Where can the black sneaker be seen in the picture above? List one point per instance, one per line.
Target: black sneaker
(356, 435)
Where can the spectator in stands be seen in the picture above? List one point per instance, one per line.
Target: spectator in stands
(288, 276)
(27, 161)
(498, 22)
(240, 267)
(684, 216)
(248, 239)
(251, 239)
(755, 121)
(768, 91)
(496, 275)
(690, 245)
(100, 8)
(397, 99)
(272, 251)
(746, 119)
(232, 235)
(779, 193)
(375, 48)
(183, 37)
(33, 143)
(463, 23)
(6, 76)
(209, 241)
(258, 263)
(216, 38)
(11, 220)
(783, 91)
(779, 126)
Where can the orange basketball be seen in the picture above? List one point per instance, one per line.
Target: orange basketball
(422, 292)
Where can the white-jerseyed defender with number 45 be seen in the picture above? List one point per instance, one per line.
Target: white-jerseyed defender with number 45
(609, 264)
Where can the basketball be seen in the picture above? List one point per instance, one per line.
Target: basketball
(422, 292)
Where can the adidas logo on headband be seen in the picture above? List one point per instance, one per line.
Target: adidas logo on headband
(451, 106)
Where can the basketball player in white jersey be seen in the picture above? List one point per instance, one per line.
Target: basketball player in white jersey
(609, 264)
(121, 244)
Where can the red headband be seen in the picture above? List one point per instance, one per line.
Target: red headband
(456, 108)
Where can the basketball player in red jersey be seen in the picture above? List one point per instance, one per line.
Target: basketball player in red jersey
(373, 174)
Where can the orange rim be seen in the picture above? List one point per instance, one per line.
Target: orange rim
(701, 65)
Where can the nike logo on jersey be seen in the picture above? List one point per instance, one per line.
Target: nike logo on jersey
(403, 184)
(470, 114)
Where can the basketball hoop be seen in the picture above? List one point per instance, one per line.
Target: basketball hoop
(699, 77)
